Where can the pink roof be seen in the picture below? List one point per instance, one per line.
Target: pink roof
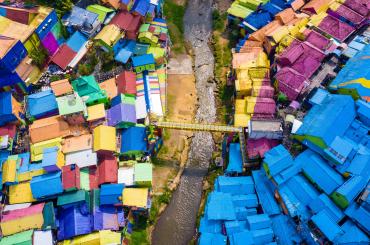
(290, 82)
(348, 14)
(258, 147)
(302, 57)
(9, 129)
(20, 213)
(336, 28)
(264, 91)
(360, 6)
(318, 40)
(265, 106)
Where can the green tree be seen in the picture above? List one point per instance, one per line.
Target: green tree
(108, 61)
(85, 69)
(63, 6)
(39, 56)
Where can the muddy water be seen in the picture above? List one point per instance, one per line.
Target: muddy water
(176, 225)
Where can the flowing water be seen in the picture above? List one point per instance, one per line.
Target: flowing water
(176, 225)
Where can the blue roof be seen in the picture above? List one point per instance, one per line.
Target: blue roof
(220, 206)
(329, 119)
(246, 201)
(143, 60)
(123, 55)
(74, 221)
(141, 7)
(352, 187)
(265, 192)
(110, 193)
(80, 16)
(359, 215)
(133, 139)
(213, 239)
(258, 20)
(235, 159)
(363, 111)
(323, 202)
(263, 236)
(76, 41)
(355, 68)
(235, 226)
(258, 221)
(360, 165)
(277, 159)
(320, 172)
(46, 185)
(271, 8)
(6, 110)
(42, 104)
(210, 226)
(323, 221)
(285, 230)
(352, 235)
(235, 185)
(241, 238)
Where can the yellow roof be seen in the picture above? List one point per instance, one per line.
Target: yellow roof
(9, 170)
(20, 193)
(105, 138)
(103, 237)
(135, 197)
(109, 34)
(241, 120)
(38, 148)
(16, 30)
(95, 112)
(316, 19)
(240, 106)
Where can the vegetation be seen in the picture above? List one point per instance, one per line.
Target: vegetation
(88, 67)
(108, 61)
(218, 20)
(39, 56)
(174, 15)
(157, 202)
(140, 235)
(63, 6)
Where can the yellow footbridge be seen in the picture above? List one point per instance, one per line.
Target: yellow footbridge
(198, 127)
(206, 128)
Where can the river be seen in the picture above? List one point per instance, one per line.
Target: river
(176, 225)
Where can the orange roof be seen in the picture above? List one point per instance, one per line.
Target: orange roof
(78, 143)
(285, 16)
(297, 4)
(251, 50)
(61, 87)
(6, 43)
(114, 3)
(48, 128)
(260, 34)
(110, 87)
(250, 43)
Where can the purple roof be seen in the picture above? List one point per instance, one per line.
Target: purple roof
(349, 14)
(265, 106)
(336, 28)
(360, 6)
(290, 82)
(302, 57)
(121, 113)
(317, 40)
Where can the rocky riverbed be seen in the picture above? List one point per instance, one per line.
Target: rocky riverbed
(177, 223)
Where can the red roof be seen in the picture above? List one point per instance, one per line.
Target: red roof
(108, 168)
(126, 21)
(71, 177)
(9, 129)
(126, 82)
(63, 56)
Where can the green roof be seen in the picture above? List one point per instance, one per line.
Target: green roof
(128, 99)
(21, 238)
(157, 52)
(85, 179)
(144, 27)
(73, 198)
(70, 104)
(87, 86)
(100, 10)
(143, 172)
(238, 10)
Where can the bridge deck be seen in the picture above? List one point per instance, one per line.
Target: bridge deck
(198, 127)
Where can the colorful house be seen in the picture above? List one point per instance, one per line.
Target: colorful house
(71, 177)
(143, 63)
(61, 87)
(135, 197)
(10, 109)
(46, 185)
(53, 159)
(72, 108)
(108, 37)
(111, 194)
(143, 174)
(128, 23)
(104, 14)
(80, 19)
(122, 115)
(41, 104)
(86, 86)
(126, 83)
(105, 139)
